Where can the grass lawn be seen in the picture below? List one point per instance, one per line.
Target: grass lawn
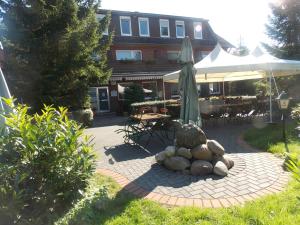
(270, 138)
(120, 208)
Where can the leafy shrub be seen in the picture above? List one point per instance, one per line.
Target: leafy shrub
(296, 113)
(45, 164)
(84, 116)
(133, 93)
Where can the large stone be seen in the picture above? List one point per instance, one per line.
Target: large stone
(177, 163)
(215, 147)
(184, 152)
(202, 152)
(189, 136)
(168, 152)
(224, 159)
(220, 169)
(201, 167)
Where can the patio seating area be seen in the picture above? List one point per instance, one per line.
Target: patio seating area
(255, 173)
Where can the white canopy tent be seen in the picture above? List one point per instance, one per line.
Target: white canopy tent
(220, 66)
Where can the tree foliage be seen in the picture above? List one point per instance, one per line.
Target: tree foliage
(50, 49)
(45, 163)
(133, 93)
(284, 29)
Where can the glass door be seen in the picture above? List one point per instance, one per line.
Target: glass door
(103, 99)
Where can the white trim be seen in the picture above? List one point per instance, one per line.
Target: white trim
(164, 20)
(131, 53)
(98, 100)
(144, 19)
(180, 22)
(128, 18)
(195, 25)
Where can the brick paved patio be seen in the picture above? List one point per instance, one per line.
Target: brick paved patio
(255, 173)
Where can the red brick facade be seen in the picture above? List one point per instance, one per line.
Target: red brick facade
(155, 50)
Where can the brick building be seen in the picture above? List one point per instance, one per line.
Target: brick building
(145, 47)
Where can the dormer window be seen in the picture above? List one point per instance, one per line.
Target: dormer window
(125, 25)
(180, 30)
(144, 27)
(100, 17)
(164, 28)
(197, 30)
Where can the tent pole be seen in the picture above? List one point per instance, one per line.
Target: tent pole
(270, 78)
(164, 93)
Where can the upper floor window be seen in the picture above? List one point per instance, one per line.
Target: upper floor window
(125, 25)
(214, 88)
(197, 30)
(164, 28)
(135, 55)
(99, 17)
(180, 30)
(144, 27)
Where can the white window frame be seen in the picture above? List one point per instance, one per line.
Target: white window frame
(131, 52)
(129, 18)
(160, 25)
(180, 22)
(195, 25)
(99, 17)
(144, 19)
(214, 92)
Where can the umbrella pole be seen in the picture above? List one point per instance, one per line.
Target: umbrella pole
(223, 89)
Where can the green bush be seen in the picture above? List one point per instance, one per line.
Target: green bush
(45, 164)
(296, 113)
(133, 93)
(84, 116)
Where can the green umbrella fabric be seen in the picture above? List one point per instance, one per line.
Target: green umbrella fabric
(189, 111)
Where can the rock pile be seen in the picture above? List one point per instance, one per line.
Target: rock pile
(194, 154)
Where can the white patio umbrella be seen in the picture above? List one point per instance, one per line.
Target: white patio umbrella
(220, 66)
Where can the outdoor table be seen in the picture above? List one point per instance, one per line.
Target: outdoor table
(151, 124)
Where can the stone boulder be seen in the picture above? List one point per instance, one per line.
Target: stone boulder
(184, 152)
(177, 163)
(189, 136)
(201, 167)
(168, 152)
(220, 169)
(215, 147)
(224, 159)
(202, 152)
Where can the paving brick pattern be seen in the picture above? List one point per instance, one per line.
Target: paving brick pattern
(254, 174)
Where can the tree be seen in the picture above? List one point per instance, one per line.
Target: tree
(133, 93)
(284, 29)
(50, 48)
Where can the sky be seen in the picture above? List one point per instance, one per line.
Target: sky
(235, 20)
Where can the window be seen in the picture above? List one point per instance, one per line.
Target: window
(173, 55)
(125, 24)
(121, 89)
(201, 55)
(135, 55)
(174, 91)
(197, 30)
(99, 17)
(180, 30)
(214, 88)
(164, 28)
(150, 89)
(144, 27)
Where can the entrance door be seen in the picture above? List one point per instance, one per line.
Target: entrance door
(103, 99)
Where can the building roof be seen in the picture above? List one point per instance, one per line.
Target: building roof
(134, 13)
